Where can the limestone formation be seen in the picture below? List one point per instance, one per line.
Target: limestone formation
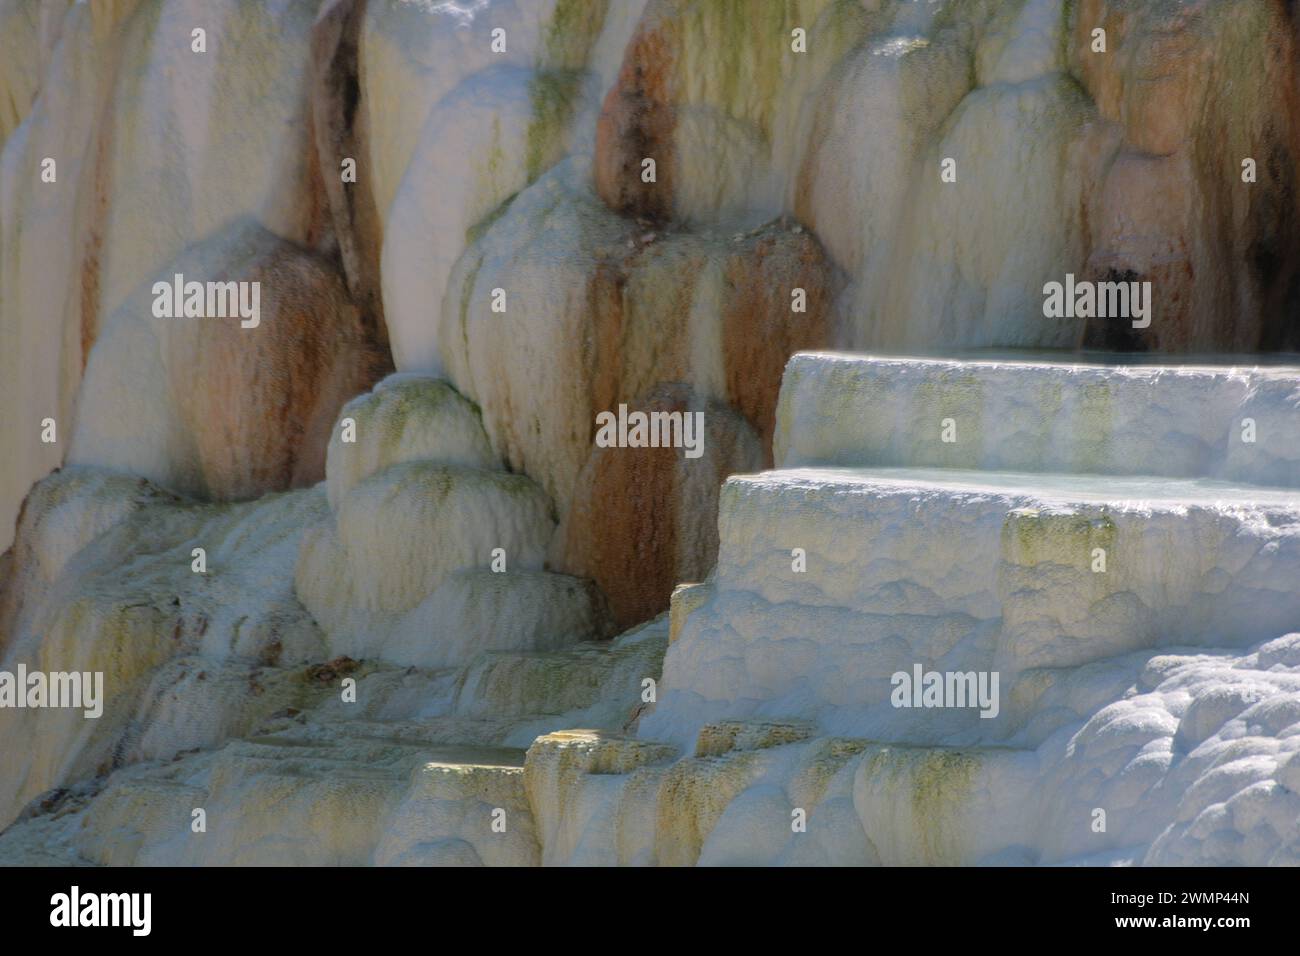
(649, 432)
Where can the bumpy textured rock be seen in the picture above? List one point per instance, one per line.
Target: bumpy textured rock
(210, 408)
(201, 139)
(722, 119)
(84, 610)
(1122, 163)
(28, 34)
(320, 781)
(1196, 89)
(413, 54)
(1234, 423)
(339, 132)
(867, 803)
(356, 679)
(455, 129)
(766, 635)
(639, 522)
(50, 233)
(596, 685)
(890, 583)
(458, 813)
(710, 319)
(409, 463)
(405, 418)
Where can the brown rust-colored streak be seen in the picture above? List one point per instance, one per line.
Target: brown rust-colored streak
(90, 261)
(259, 403)
(603, 360)
(338, 129)
(100, 190)
(760, 330)
(644, 519)
(622, 531)
(637, 122)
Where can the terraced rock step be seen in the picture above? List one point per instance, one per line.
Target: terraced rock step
(961, 571)
(463, 807)
(598, 684)
(1022, 414)
(335, 794)
(603, 799)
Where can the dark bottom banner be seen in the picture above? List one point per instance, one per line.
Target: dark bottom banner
(338, 906)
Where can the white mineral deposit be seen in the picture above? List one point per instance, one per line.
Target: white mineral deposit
(649, 432)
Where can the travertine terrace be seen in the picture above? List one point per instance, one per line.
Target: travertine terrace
(365, 588)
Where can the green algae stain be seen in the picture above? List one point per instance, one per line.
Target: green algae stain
(1094, 424)
(959, 397)
(553, 95)
(1049, 398)
(574, 29)
(554, 90)
(935, 783)
(480, 229)
(941, 784)
(1032, 537)
(743, 79)
(466, 294)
